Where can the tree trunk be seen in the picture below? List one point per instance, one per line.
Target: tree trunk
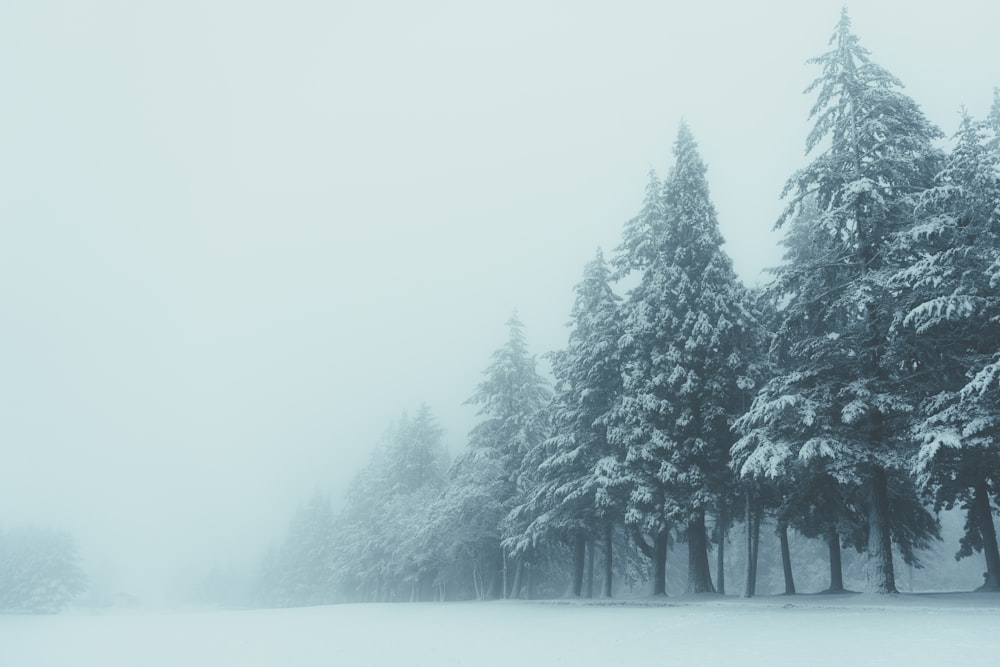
(984, 519)
(881, 578)
(836, 567)
(752, 545)
(497, 576)
(720, 563)
(518, 578)
(657, 553)
(699, 577)
(786, 558)
(589, 591)
(478, 585)
(579, 552)
(503, 556)
(609, 534)
(660, 545)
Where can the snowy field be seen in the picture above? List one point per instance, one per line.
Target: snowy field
(805, 630)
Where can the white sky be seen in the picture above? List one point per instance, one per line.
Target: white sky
(237, 237)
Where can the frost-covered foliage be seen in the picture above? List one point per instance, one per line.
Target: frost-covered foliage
(300, 571)
(993, 121)
(510, 400)
(375, 548)
(841, 398)
(488, 481)
(382, 550)
(39, 570)
(684, 358)
(566, 497)
(789, 451)
(952, 313)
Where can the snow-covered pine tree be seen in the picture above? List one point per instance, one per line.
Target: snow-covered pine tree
(686, 324)
(787, 441)
(633, 476)
(562, 501)
(511, 401)
(418, 457)
(993, 122)
(384, 548)
(308, 555)
(875, 153)
(952, 311)
(463, 527)
(418, 473)
(39, 570)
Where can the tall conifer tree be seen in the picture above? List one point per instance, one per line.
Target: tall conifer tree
(874, 154)
(511, 399)
(563, 500)
(952, 310)
(684, 361)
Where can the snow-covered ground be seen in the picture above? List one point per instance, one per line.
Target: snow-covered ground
(805, 630)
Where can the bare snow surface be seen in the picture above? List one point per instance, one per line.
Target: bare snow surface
(804, 630)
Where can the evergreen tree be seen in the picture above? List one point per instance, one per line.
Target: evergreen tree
(993, 122)
(784, 445)
(464, 525)
(953, 312)
(511, 400)
(39, 570)
(683, 360)
(563, 499)
(384, 543)
(308, 554)
(418, 455)
(875, 153)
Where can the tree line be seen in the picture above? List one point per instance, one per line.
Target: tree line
(850, 400)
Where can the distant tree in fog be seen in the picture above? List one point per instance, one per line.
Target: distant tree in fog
(39, 570)
(300, 571)
(486, 481)
(381, 552)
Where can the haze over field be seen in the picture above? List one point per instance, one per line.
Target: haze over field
(238, 238)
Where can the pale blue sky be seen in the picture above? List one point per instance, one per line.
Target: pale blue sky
(236, 238)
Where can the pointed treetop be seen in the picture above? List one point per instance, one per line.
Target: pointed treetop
(597, 267)
(593, 289)
(511, 383)
(638, 247)
(516, 328)
(845, 20)
(688, 162)
(691, 218)
(871, 135)
(844, 38)
(993, 120)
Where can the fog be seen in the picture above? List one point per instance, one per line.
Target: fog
(237, 239)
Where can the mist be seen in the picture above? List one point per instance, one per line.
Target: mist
(238, 240)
